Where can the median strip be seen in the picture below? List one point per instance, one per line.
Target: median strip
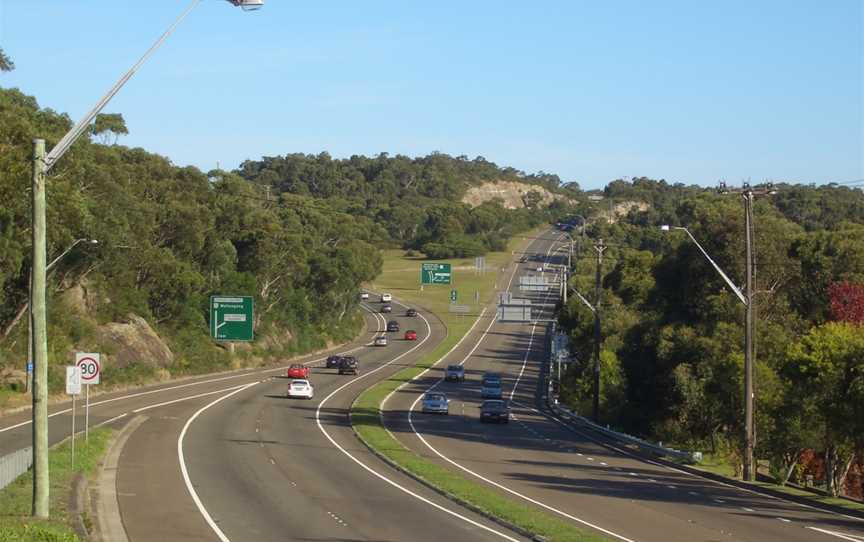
(528, 520)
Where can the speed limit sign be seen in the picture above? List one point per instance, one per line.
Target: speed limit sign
(90, 365)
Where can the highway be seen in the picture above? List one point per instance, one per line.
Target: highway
(576, 475)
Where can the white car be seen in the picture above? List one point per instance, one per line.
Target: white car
(386, 298)
(364, 296)
(381, 340)
(540, 269)
(300, 388)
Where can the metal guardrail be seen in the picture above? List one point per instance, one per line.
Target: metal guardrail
(574, 418)
(14, 465)
(643, 445)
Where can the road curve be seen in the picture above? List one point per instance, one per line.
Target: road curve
(571, 473)
(263, 470)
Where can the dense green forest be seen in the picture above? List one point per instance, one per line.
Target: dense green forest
(415, 203)
(672, 354)
(300, 233)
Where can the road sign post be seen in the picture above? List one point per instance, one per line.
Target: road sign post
(435, 273)
(90, 365)
(231, 318)
(73, 388)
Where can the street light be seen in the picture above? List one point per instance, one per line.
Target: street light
(42, 164)
(747, 299)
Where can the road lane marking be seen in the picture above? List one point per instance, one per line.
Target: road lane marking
(784, 520)
(380, 476)
(747, 509)
(505, 488)
(171, 402)
(250, 373)
(185, 472)
(842, 536)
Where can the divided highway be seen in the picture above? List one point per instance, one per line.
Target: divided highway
(575, 475)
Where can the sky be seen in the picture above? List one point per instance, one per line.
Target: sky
(690, 92)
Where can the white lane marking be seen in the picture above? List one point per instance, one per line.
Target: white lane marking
(626, 453)
(720, 501)
(670, 486)
(590, 458)
(500, 486)
(632, 474)
(842, 536)
(251, 373)
(171, 402)
(693, 493)
(784, 520)
(381, 476)
(185, 472)
(604, 464)
(747, 509)
(533, 329)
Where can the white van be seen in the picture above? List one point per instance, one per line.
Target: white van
(386, 298)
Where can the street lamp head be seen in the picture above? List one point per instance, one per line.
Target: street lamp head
(665, 227)
(248, 5)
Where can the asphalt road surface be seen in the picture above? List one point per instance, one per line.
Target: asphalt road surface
(573, 474)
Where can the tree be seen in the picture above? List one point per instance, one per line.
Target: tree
(6, 64)
(847, 301)
(825, 370)
(107, 125)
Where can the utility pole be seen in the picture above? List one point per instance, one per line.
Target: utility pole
(749, 437)
(598, 288)
(40, 336)
(749, 195)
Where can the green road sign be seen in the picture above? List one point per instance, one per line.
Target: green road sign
(454, 295)
(435, 273)
(231, 318)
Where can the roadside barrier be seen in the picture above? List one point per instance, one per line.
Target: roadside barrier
(14, 465)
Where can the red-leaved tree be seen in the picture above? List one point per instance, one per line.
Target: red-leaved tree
(847, 301)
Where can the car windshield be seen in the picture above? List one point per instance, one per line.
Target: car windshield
(493, 405)
(454, 368)
(492, 384)
(299, 384)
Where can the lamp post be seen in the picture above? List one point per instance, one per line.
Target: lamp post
(42, 164)
(747, 299)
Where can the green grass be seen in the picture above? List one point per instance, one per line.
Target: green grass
(15, 499)
(400, 277)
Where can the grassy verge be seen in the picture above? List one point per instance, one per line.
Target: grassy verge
(366, 413)
(15, 499)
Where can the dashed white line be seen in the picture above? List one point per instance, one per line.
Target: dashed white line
(842, 536)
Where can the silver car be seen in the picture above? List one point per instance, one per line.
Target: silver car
(436, 402)
(381, 340)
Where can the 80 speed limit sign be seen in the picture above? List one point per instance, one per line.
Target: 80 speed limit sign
(90, 365)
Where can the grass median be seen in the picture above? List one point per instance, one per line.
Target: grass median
(366, 410)
(16, 498)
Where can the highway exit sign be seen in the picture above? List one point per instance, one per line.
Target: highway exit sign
(435, 273)
(231, 318)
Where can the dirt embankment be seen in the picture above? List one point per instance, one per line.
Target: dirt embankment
(513, 195)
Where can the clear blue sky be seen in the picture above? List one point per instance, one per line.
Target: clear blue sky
(593, 91)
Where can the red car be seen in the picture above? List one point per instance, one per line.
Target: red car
(410, 335)
(298, 371)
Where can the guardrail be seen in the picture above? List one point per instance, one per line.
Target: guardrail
(643, 445)
(572, 417)
(14, 465)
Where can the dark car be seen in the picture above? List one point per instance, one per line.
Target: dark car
(386, 308)
(333, 361)
(392, 325)
(349, 366)
(411, 313)
(495, 411)
(455, 372)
